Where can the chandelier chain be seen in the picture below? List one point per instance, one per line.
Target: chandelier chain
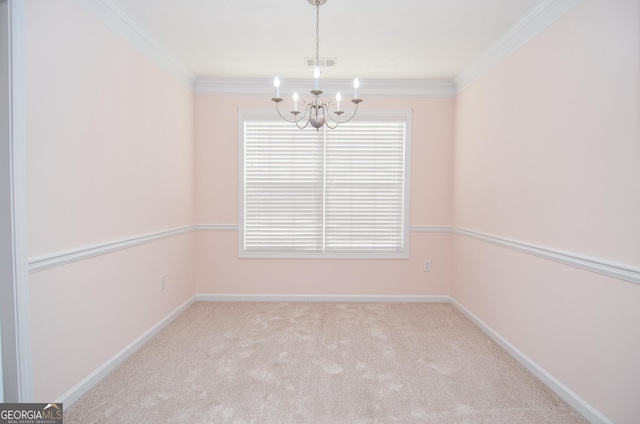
(317, 31)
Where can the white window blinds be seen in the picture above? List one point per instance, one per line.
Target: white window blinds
(283, 188)
(337, 193)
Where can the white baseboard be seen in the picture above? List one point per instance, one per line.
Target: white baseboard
(92, 379)
(317, 298)
(553, 383)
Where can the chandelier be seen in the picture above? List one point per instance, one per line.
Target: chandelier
(316, 112)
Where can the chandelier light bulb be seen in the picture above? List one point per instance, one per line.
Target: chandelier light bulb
(356, 85)
(276, 84)
(295, 100)
(316, 76)
(338, 99)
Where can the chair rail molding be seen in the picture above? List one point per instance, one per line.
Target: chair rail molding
(601, 266)
(430, 229)
(41, 263)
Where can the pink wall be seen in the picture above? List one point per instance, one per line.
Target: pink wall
(118, 128)
(110, 156)
(547, 142)
(547, 152)
(219, 271)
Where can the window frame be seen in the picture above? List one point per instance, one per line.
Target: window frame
(395, 115)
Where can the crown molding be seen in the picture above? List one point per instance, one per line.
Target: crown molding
(376, 87)
(540, 17)
(114, 17)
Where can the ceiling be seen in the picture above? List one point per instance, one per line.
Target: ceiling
(372, 39)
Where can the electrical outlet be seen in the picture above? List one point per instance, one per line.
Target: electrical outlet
(427, 266)
(163, 282)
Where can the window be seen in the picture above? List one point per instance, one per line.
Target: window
(340, 193)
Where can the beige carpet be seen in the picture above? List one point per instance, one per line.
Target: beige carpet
(241, 363)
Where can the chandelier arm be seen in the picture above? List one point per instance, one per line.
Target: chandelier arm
(337, 122)
(355, 112)
(328, 115)
(305, 125)
(326, 122)
(291, 120)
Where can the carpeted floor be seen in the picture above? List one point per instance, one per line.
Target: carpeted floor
(241, 363)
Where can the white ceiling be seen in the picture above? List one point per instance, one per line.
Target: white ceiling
(372, 39)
